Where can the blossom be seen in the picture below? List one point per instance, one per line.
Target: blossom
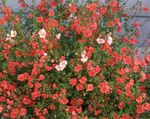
(87, 33)
(53, 3)
(100, 40)
(104, 88)
(79, 87)
(40, 19)
(94, 71)
(109, 40)
(42, 33)
(35, 95)
(72, 8)
(84, 58)
(23, 111)
(63, 101)
(52, 107)
(92, 7)
(83, 80)
(22, 77)
(102, 10)
(13, 33)
(58, 36)
(73, 81)
(90, 87)
(78, 68)
(26, 100)
(8, 38)
(61, 66)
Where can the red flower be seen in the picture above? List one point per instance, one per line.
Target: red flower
(104, 88)
(111, 24)
(90, 87)
(55, 96)
(120, 80)
(78, 68)
(92, 7)
(83, 80)
(26, 100)
(23, 77)
(45, 111)
(139, 99)
(41, 77)
(63, 101)
(94, 71)
(72, 8)
(5, 18)
(90, 108)
(73, 82)
(80, 101)
(52, 107)
(79, 87)
(53, 3)
(39, 19)
(95, 16)
(51, 13)
(23, 111)
(120, 106)
(143, 77)
(97, 112)
(87, 33)
(35, 95)
(102, 10)
(54, 23)
(48, 68)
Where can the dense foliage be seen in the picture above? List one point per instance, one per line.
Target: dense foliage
(67, 61)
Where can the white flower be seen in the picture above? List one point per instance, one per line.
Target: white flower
(61, 66)
(63, 63)
(110, 40)
(84, 59)
(8, 38)
(42, 33)
(58, 36)
(100, 40)
(13, 33)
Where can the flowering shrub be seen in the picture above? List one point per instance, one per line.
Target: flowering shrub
(70, 63)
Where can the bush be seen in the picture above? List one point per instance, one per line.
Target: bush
(65, 60)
